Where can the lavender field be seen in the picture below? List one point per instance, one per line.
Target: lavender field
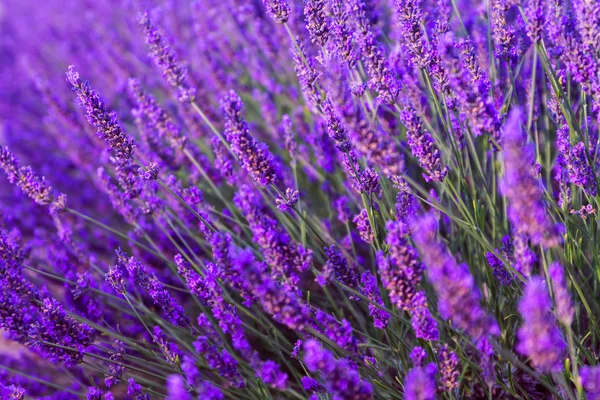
(299, 199)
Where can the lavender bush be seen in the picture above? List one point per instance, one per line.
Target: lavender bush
(299, 199)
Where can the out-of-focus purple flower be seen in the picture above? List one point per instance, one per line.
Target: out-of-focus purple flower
(459, 298)
(254, 157)
(539, 338)
(176, 389)
(271, 373)
(562, 297)
(500, 270)
(590, 381)
(524, 257)
(419, 383)
(588, 23)
(162, 54)
(370, 289)
(105, 122)
(422, 322)
(94, 393)
(422, 146)
(342, 209)
(340, 379)
(316, 21)
(527, 211)
(12, 392)
(161, 121)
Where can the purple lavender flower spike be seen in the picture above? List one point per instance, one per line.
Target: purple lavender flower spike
(419, 383)
(371, 290)
(340, 379)
(422, 146)
(162, 54)
(254, 157)
(337, 264)
(382, 78)
(449, 371)
(562, 297)
(526, 207)
(161, 121)
(535, 19)
(105, 122)
(288, 200)
(32, 185)
(459, 298)
(307, 74)
(590, 380)
(279, 10)
(341, 32)
(539, 338)
(422, 322)
(316, 21)
(176, 389)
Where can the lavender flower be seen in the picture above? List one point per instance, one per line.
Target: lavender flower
(411, 19)
(504, 35)
(105, 122)
(424, 325)
(115, 369)
(288, 200)
(156, 290)
(254, 157)
(364, 226)
(176, 389)
(590, 380)
(281, 252)
(382, 78)
(419, 383)
(316, 21)
(538, 337)
(340, 379)
(371, 290)
(278, 9)
(562, 297)
(423, 147)
(458, 296)
(162, 54)
(341, 33)
(337, 264)
(526, 208)
(535, 19)
(307, 74)
(449, 372)
(161, 121)
(32, 185)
